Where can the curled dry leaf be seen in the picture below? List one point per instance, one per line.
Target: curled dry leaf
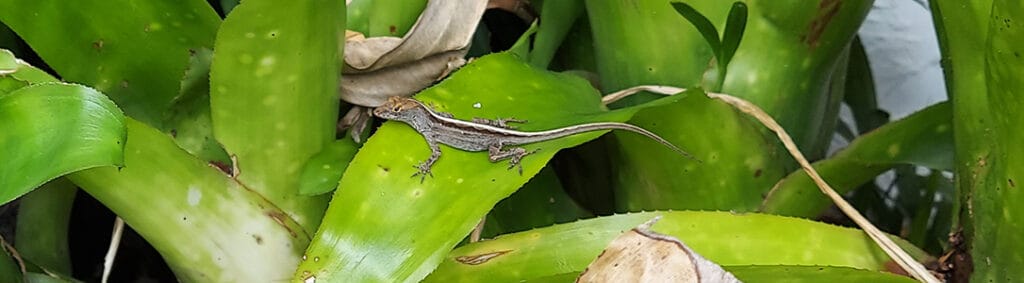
(380, 67)
(641, 255)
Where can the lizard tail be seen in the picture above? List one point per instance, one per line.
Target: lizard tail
(618, 126)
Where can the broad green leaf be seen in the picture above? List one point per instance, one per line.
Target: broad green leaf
(774, 67)
(323, 171)
(36, 277)
(556, 19)
(963, 30)
(924, 138)
(787, 58)
(9, 270)
(15, 74)
(740, 163)
(43, 217)
(811, 273)
(52, 129)
(393, 17)
(274, 100)
(540, 202)
(383, 225)
(207, 226)
(133, 51)
(725, 238)
(188, 118)
(674, 51)
(993, 203)
(357, 17)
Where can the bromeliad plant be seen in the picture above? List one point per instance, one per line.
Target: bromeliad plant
(215, 139)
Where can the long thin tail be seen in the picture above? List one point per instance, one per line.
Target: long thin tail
(600, 126)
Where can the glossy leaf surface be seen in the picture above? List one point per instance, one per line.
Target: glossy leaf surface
(207, 226)
(924, 139)
(52, 129)
(274, 99)
(366, 236)
(136, 56)
(724, 238)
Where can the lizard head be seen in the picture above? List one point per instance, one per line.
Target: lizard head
(395, 107)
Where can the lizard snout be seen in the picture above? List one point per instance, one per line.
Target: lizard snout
(380, 112)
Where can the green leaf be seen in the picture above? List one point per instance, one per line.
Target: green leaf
(674, 52)
(274, 97)
(924, 138)
(43, 217)
(136, 57)
(556, 19)
(53, 129)
(521, 48)
(9, 270)
(963, 30)
(811, 273)
(540, 202)
(323, 171)
(787, 77)
(207, 226)
(734, 27)
(36, 277)
(357, 17)
(188, 119)
(15, 74)
(725, 238)
(703, 25)
(393, 17)
(860, 91)
(384, 225)
(993, 201)
(787, 65)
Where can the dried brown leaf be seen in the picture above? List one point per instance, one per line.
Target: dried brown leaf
(641, 255)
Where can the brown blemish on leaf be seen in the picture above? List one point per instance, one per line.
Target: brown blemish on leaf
(98, 44)
(480, 258)
(1012, 185)
(259, 240)
(894, 268)
(223, 167)
(386, 169)
(280, 219)
(392, 29)
(827, 9)
(757, 173)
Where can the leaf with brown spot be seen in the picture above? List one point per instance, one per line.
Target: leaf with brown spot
(480, 258)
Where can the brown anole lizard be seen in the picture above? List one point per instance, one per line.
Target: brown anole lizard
(494, 136)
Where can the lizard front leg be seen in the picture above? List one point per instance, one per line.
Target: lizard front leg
(500, 122)
(424, 167)
(514, 155)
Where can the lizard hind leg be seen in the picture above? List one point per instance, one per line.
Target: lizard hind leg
(514, 155)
